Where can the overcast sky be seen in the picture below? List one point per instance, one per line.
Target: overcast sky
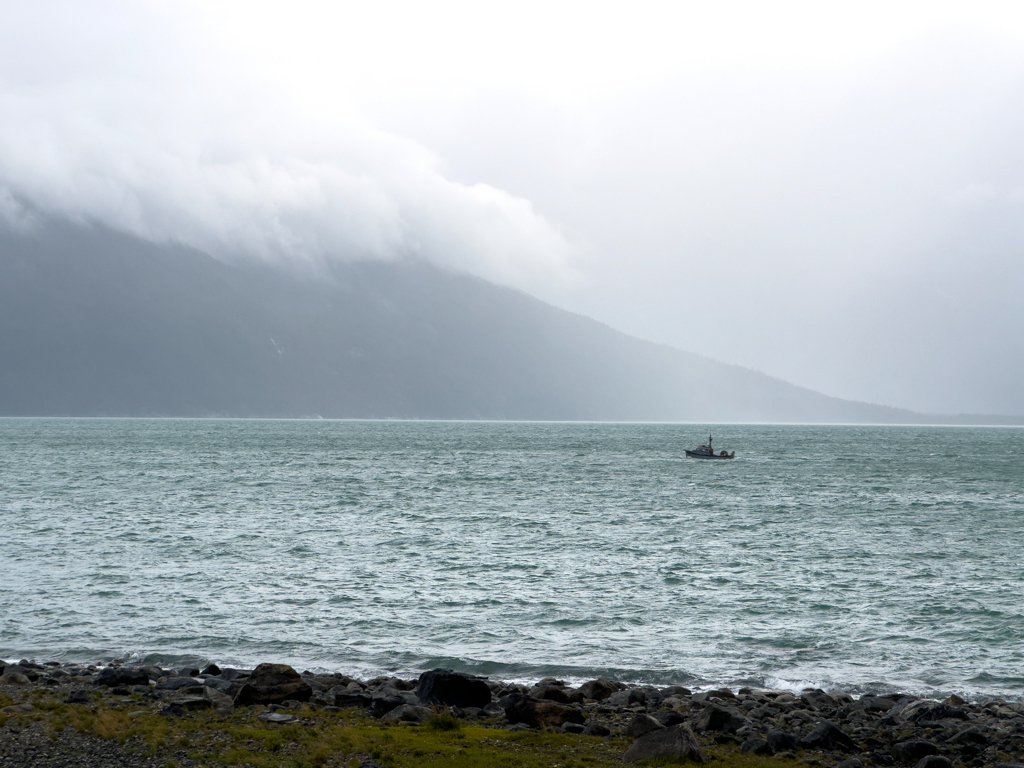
(829, 193)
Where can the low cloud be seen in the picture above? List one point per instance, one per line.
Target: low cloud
(200, 154)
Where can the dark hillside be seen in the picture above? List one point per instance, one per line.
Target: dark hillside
(93, 322)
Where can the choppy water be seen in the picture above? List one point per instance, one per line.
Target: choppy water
(864, 557)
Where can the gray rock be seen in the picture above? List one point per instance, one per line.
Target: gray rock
(818, 699)
(443, 686)
(969, 735)
(276, 717)
(215, 682)
(382, 705)
(23, 668)
(539, 714)
(272, 684)
(551, 693)
(676, 690)
(594, 728)
(677, 741)
(828, 735)
(931, 711)
(851, 762)
(715, 718)
(572, 728)
(153, 672)
(113, 677)
(780, 740)
(913, 750)
(902, 703)
(229, 674)
(77, 697)
(642, 724)
(189, 703)
(220, 701)
(346, 699)
(669, 717)
(876, 703)
(14, 678)
(407, 713)
(934, 761)
(626, 698)
(176, 683)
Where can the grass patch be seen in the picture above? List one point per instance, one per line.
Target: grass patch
(443, 722)
(339, 740)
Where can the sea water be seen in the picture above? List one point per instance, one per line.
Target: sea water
(865, 558)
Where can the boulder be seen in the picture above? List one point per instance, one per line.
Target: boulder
(828, 735)
(781, 741)
(627, 697)
(272, 684)
(669, 717)
(23, 668)
(14, 678)
(345, 699)
(677, 741)
(901, 703)
(113, 677)
(551, 693)
(407, 713)
(642, 724)
(539, 714)
(931, 711)
(970, 735)
(443, 686)
(715, 718)
(220, 701)
(77, 697)
(851, 762)
(176, 683)
(189, 703)
(876, 703)
(934, 761)
(215, 682)
(382, 705)
(594, 728)
(229, 674)
(818, 699)
(153, 672)
(676, 690)
(913, 750)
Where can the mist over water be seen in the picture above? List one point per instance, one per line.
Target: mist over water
(868, 558)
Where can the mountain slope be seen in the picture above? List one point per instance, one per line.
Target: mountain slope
(93, 322)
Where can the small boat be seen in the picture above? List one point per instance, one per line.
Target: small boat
(707, 452)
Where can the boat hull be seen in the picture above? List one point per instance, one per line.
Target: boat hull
(692, 455)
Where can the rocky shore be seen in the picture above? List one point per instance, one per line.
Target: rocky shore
(814, 727)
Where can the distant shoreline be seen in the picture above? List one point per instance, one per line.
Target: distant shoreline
(951, 421)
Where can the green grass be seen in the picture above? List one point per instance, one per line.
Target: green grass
(344, 739)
